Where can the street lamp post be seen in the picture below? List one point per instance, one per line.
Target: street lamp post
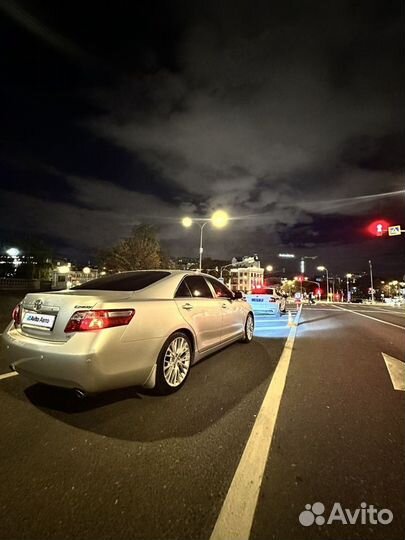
(324, 269)
(202, 225)
(219, 219)
(348, 276)
(371, 281)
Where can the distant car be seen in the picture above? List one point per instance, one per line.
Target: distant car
(267, 299)
(356, 300)
(141, 328)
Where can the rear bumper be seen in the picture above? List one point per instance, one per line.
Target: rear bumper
(113, 365)
(273, 308)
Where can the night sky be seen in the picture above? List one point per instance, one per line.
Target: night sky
(287, 114)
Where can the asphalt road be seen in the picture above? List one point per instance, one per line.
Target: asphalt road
(340, 433)
(127, 464)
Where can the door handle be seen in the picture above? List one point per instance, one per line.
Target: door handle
(224, 306)
(187, 306)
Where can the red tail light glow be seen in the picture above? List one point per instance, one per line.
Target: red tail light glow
(98, 319)
(17, 314)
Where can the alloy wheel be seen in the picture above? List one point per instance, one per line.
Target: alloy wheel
(176, 362)
(250, 326)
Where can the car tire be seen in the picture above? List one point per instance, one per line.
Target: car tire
(249, 329)
(173, 363)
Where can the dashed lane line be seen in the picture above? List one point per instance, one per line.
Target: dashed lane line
(7, 375)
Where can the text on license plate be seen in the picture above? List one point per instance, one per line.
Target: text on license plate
(39, 320)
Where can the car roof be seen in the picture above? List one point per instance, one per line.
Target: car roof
(166, 287)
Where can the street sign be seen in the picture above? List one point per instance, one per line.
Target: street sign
(395, 230)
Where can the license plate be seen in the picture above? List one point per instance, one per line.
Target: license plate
(39, 320)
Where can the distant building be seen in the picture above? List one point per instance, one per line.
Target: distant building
(65, 276)
(186, 263)
(247, 278)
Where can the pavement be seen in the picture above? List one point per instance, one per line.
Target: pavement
(127, 464)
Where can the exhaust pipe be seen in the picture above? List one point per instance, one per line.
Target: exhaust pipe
(79, 393)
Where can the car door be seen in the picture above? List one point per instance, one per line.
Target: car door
(232, 315)
(201, 310)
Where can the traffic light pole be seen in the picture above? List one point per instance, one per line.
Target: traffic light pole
(371, 281)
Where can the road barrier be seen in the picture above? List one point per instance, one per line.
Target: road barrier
(13, 284)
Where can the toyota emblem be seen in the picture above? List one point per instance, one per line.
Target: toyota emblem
(38, 304)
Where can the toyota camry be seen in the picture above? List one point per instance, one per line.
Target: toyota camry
(143, 328)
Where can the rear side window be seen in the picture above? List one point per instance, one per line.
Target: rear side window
(198, 287)
(220, 290)
(183, 291)
(126, 281)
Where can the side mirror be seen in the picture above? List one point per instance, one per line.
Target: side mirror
(238, 295)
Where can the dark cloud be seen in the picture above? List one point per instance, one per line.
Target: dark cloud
(285, 114)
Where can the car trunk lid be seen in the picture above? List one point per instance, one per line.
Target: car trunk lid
(45, 315)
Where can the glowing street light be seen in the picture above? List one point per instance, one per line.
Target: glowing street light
(219, 219)
(269, 268)
(13, 252)
(324, 269)
(187, 222)
(86, 270)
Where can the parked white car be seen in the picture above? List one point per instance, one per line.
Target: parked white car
(266, 300)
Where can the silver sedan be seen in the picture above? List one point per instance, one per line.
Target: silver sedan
(143, 328)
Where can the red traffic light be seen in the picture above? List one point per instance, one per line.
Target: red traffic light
(378, 228)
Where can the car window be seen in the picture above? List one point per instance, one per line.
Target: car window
(220, 290)
(125, 281)
(198, 287)
(264, 291)
(183, 291)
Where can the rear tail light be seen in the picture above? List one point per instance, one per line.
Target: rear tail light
(98, 319)
(17, 315)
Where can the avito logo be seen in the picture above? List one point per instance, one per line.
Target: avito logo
(367, 514)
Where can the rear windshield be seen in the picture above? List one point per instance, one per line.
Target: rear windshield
(263, 291)
(127, 281)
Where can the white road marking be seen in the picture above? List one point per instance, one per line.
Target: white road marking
(7, 375)
(399, 313)
(319, 309)
(368, 317)
(236, 517)
(396, 369)
(257, 327)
